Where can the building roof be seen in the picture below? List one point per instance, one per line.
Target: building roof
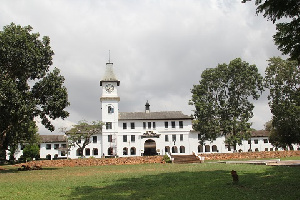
(53, 138)
(260, 133)
(153, 115)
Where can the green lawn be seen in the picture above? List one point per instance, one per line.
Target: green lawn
(152, 181)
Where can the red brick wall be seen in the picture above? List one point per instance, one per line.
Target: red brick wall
(95, 161)
(250, 155)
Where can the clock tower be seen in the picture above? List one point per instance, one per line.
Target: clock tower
(109, 99)
(110, 109)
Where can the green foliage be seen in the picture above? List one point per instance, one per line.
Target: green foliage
(283, 80)
(167, 159)
(31, 151)
(82, 132)
(287, 37)
(27, 88)
(222, 101)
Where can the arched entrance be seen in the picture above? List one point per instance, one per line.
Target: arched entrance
(150, 148)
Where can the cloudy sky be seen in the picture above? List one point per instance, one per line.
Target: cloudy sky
(159, 48)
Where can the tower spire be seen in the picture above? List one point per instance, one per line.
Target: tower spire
(108, 56)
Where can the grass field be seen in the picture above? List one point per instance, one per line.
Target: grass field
(152, 181)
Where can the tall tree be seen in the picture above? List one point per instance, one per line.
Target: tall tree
(283, 80)
(81, 133)
(222, 103)
(28, 89)
(287, 37)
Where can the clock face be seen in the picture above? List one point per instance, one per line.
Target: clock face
(109, 88)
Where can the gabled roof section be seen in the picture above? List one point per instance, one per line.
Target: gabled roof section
(153, 115)
(53, 138)
(260, 133)
(109, 75)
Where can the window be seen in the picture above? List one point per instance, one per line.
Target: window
(180, 124)
(144, 125)
(166, 124)
(108, 125)
(110, 151)
(154, 125)
(181, 137)
(78, 152)
(56, 146)
(125, 151)
(256, 141)
(214, 148)
(173, 124)
(271, 149)
(266, 149)
(95, 152)
(48, 157)
(249, 141)
(200, 148)
(174, 149)
(199, 136)
(124, 138)
(48, 146)
(266, 141)
(132, 151)
(182, 149)
(64, 146)
(124, 125)
(207, 148)
(132, 125)
(94, 139)
(173, 137)
(62, 153)
(87, 152)
(109, 138)
(79, 141)
(149, 125)
(256, 149)
(110, 109)
(166, 138)
(132, 138)
(167, 149)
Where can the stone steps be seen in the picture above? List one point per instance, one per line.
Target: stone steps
(181, 159)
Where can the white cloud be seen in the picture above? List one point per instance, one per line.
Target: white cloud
(159, 48)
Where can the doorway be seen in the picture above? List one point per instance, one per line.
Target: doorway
(150, 148)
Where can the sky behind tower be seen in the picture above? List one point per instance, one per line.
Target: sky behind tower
(159, 48)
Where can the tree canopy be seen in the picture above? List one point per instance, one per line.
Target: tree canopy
(283, 80)
(287, 37)
(221, 100)
(81, 133)
(28, 88)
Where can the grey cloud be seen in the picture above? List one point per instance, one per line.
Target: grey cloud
(159, 48)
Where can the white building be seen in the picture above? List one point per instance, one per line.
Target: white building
(144, 133)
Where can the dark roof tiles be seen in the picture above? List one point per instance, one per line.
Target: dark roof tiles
(53, 138)
(153, 115)
(260, 133)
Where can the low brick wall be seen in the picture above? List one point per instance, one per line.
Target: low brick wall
(250, 155)
(94, 161)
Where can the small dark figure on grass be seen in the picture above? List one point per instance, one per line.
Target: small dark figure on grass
(235, 177)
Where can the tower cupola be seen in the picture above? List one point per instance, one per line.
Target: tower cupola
(147, 107)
